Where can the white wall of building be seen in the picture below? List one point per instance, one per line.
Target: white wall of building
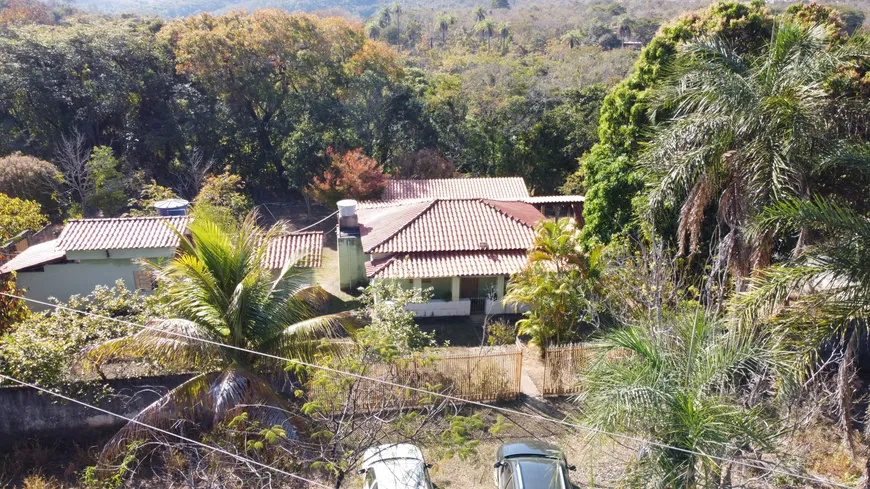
(434, 308)
(66, 279)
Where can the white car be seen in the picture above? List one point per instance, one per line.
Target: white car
(397, 466)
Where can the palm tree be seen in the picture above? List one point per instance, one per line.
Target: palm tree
(486, 28)
(573, 38)
(677, 384)
(623, 27)
(822, 294)
(741, 131)
(397, 9)
(373, 30)
(222, 292)
(444, 23)
(560, 285)
(504, 32)
(479, 13)
(385, 16)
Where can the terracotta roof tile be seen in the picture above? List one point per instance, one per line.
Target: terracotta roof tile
(307, 246)
(511, 188)
(447, 264)
(33, 256)
(448, 225)
(121, 233)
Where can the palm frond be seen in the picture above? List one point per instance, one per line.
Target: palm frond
(189, 402)
(161, 342)
(239, 390)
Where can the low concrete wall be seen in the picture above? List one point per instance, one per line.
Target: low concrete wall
(462, 307)
(497, 307)
(27, 413)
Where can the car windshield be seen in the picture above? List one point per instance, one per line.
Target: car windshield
(400, 474)
(540, 474)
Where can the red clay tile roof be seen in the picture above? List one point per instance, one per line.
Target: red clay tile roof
(36, 255)
(511, 188)
(307, 246)
(121, 233)
(448, 225)
(447, 264)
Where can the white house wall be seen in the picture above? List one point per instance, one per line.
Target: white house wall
(66, 279)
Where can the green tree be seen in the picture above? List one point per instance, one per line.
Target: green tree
(42, 348)
(397, 9)
(220, 290)
(444, 23)
(223, 197)
(28, 178)
(109, 193)
(820, 296)
(560, 286)
(745, 131)
(678, 384)
(486, 29)
(286, 78)
(18, 215)
(373, 30)
(608, 174)
(573, 38)
(12, 310)
(504, 33)
(501, 4)
(479, 13)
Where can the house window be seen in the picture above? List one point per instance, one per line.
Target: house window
(144, 280)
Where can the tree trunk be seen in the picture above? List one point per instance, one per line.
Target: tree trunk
(844, 393)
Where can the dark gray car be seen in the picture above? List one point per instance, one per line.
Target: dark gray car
(531, 465)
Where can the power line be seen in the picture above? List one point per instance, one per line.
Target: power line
(589, 429)
(165, 432)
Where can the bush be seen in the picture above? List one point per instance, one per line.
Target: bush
(26, 177)
(17, 215)
(43, 348)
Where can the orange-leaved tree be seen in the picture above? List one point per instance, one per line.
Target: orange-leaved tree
(352, 175)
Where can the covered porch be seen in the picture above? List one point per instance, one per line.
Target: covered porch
(462, 284)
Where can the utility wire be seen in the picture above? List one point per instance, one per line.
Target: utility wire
(589, 429)
(315, 224)
(159, 430)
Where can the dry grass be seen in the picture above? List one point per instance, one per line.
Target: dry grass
(37, 481)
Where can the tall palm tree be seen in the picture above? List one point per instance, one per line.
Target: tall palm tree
(486, 28)
(742, 131)
(397, 9)
(573, 38)
(385, 16)
(623, 27)
(823, 294)
(222, 292)
(373, 30)
(444, 23)
(479, 13)
(504, 33)
(678, 384)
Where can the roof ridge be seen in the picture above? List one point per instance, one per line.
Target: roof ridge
(127, 218)
(405, 225)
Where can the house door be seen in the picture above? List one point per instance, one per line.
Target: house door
(468, 287)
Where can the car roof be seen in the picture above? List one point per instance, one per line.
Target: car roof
(528, 448)
(393, 451)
